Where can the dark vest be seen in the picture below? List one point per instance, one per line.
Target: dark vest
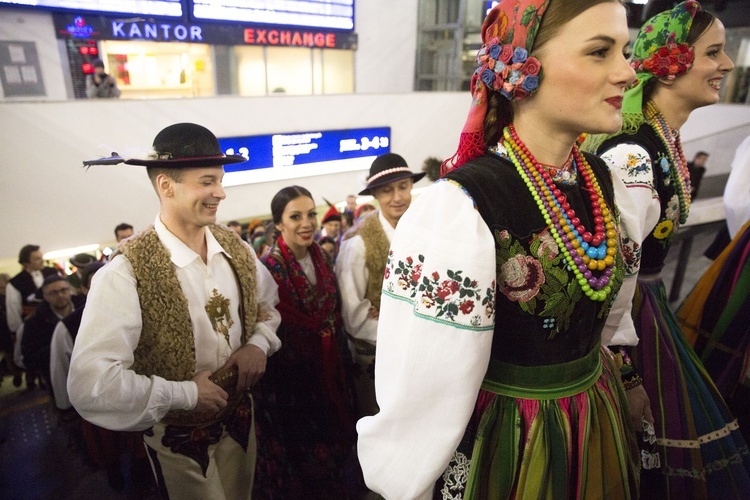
(37, 337)
(24, 283)
(73, 321)
(531, 333)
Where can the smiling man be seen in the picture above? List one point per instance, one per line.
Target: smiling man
(177, 329)
(361, 264)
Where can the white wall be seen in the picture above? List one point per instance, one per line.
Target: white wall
(387, 45)
(49, 199)
(32, 26)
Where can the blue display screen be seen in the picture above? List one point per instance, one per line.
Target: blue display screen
(301, 154)
(331, 14)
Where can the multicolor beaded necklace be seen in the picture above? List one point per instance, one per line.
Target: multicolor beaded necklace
(680, 174)
(585, 252)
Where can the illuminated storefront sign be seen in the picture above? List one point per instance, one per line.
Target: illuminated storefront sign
(103, 28)
(303, 154)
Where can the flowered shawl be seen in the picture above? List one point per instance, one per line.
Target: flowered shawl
(301, 304)
(307, 308)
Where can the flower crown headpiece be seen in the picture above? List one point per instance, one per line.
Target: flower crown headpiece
(668, 61)
(508, 69)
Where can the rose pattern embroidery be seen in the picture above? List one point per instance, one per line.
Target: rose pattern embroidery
(452, 297)
(538, 280)
(521, 277)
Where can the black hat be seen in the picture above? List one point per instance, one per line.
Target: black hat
(388, 168)
(186, 145)
(82, 260)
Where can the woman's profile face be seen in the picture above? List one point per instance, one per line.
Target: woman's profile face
(584, 73)
(701, 84)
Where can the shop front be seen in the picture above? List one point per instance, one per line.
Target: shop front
(178, 58)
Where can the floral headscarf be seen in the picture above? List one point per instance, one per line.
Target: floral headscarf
(659, 51)
(505, 66)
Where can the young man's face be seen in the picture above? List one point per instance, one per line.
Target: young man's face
(121, 234)
(36, 261)
(194, 200)
(394, 198)
(57, 294)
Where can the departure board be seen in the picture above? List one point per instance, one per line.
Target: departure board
(303, 154)
(331, 14)
(167, 8)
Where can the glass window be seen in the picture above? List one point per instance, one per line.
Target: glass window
(338, 71)
(251, 71)
(289, 70)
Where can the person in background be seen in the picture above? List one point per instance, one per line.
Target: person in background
(122, 231)
(23, 294)
(103, 447)
(35, 335)
(328, 245)
(698, 450)
(490, 375)
(78, 263)
(361, 263)
(331, 223)
(697, 168)
(7, 365)
(308, 382)
(351, 204)
(236, 227)
(362, 211)
(100, 85)
(178, 327)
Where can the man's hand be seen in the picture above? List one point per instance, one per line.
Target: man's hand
(211, 397)
(640, 407)
(373, 313)
(251, 365)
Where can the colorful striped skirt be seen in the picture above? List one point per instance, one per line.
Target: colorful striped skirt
(715, 317)
(702, 452)
(557, 431)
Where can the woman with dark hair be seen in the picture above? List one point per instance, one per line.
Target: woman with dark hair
(307, 383)
(697, 451)
(490, 376)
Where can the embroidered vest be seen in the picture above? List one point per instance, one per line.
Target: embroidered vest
(376, 254)
(167, 346)
(549, 321)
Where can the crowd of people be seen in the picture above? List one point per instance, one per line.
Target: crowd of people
(507, 335)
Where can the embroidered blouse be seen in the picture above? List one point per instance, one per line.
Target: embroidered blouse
(649, 217)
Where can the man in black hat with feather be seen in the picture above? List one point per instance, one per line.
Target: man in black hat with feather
(177, 329)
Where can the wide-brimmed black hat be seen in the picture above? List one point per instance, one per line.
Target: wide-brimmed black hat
(186, 145)
(388, 168)
(82, 260)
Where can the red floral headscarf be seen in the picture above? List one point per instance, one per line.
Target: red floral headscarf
(505, 66)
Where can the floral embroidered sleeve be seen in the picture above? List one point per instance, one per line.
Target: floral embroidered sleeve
(434, 339)
(639, 208)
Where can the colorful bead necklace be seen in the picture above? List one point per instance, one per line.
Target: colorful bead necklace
(680, 174)
(585, 252)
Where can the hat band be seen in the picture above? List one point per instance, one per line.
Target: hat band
(387, 172)
(170, 156)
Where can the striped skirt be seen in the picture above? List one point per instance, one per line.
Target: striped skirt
(557, 431)
(715, 317)
(702, 452)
